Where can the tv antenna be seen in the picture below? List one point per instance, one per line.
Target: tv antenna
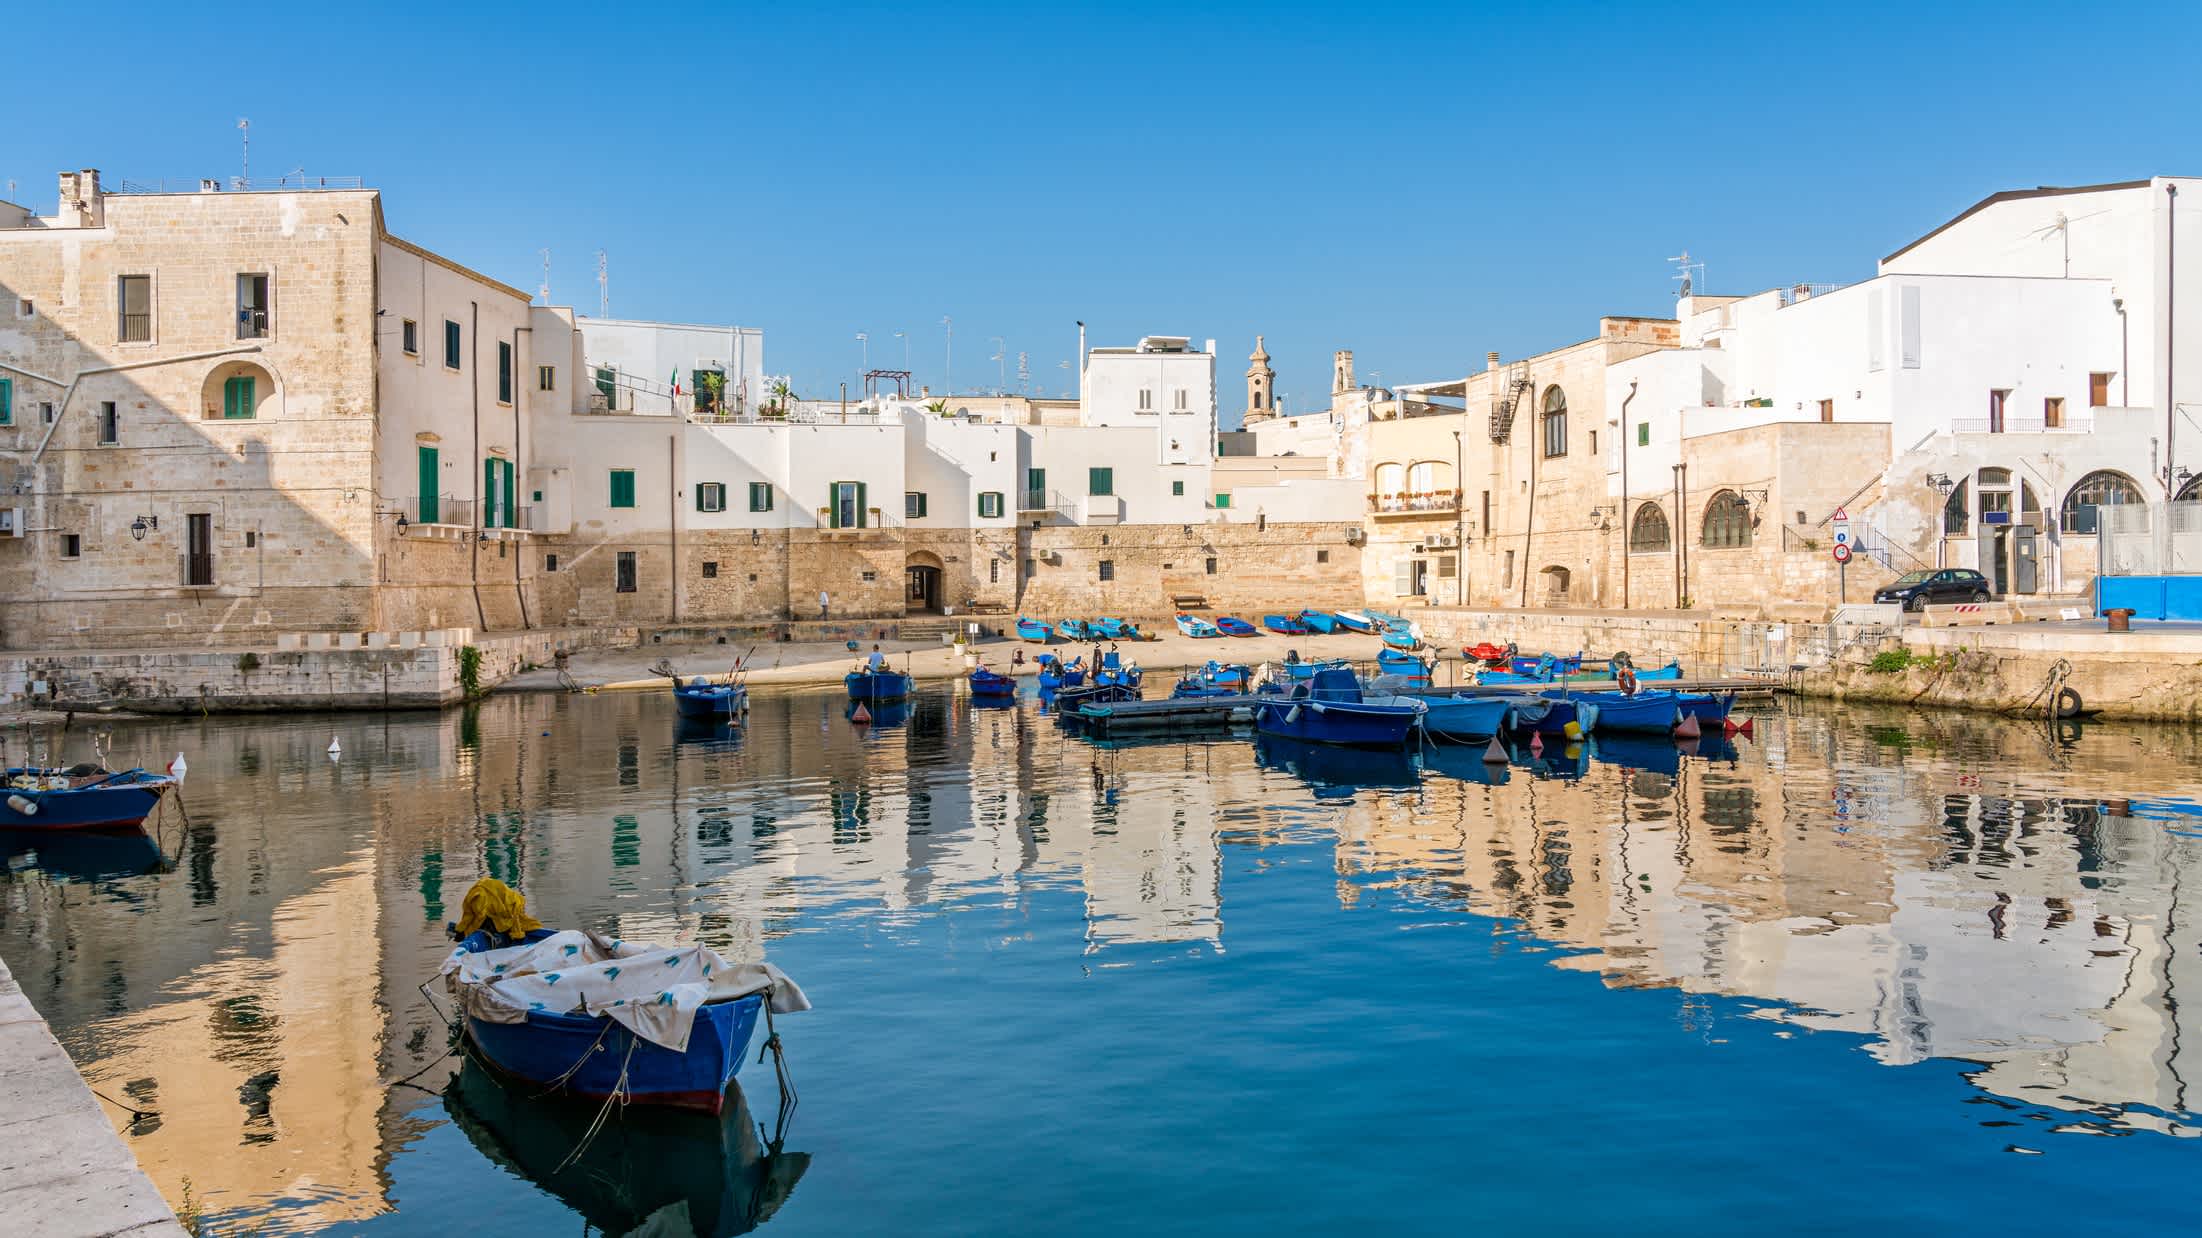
(244, 130)
(545, 289)
(1683, 266)
(1024, 374)
(603, 286)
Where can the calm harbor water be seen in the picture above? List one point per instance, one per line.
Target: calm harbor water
(1869, 970)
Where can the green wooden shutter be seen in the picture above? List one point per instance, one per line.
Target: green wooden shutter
(511, 513)
(1100, 481)
(7, 401)
(833, 505)
(863, 505)
(489, 494)
(430, 474)
(623, 487)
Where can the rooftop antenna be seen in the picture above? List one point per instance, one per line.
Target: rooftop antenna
(1024, 374)
(244, 129)
(544, 291)
(1683, 266)
(1001, 367)
(603, 286)
(2062, 226)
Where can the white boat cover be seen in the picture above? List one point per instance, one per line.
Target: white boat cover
(653, 991)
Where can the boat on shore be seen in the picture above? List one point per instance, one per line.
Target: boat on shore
(1196, 627)
(1403, 665)
(1354, 621)
(1320, 622)
(1232, 625)
(1108, 628)
(1034, 630)
(1072, 629)
(1331, 709)
(1288, 625)
(79, 797)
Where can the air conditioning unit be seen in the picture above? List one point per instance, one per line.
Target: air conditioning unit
(1354, 536)
(11, 522)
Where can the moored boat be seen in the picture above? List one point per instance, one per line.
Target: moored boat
(700, 698)
(80, 797)
(1196, 627)
(867, 685)
(1403, 665)
(1057, 674)
(1464, 716)
(1401, 638)
(1214, 679)
(1113, 671)
(1306, 670)
(1033, 630)
(1072, 629)
(671, 1024)
(1330, 709)
(1652, 712)
(987, 683)
(1321, 622)
(1232, 625)
(1709, 708)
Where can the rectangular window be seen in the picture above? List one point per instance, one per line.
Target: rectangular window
(238, 397)
(993, 571)
(1223, 499)
(409, 337)
(1908, 325)
(760, 496)
(1208, 567)
(1177, 489)
(110, 424)
(710, 496)
(2052, 413)
(46, 412)
(26, 309)
(2098, 391)
(546, 378)
(625, 582)
(1100, 482)
(1996, 401)
(623, 488)
(846, 505)
(1181, 395)
(1506, 578)
(7, 401)
(990, 504)
(72, 545)
(1029, 566)
(1643, 434)
(550, 563)
(253, 316)
(913, 505)
(252, 538)
(134, 306)
(1108, 569)
(1322, 556)
(451, 354)
(1593, 442)
(1447, 567)
(710, 569)
(1827, 410)
(1146, 399)
(1487, 511)
(504, 371)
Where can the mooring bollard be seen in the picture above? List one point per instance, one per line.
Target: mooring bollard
(2121, 618)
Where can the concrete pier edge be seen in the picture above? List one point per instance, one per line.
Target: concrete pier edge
(64, 1172)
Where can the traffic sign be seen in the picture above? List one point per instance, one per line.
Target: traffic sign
(1842, 536)
(1842, 552)
(1842, 515)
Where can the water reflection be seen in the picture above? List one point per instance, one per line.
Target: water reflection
(1938, 887)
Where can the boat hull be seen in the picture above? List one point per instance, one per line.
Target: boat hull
(871, 686)
(1321, 622)
(1038, 633)
(114, 806)
(1646, 713)
(1465, 717)
(546, 1047)
(988, 684)
(1284, 625)
(712, 702)
(1353, 622)
(1234, 627)
(1343, 724)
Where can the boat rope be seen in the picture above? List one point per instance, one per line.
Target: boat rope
(2052, 687)
(596, 1125)
(136, 1114)
(773, 1045)
(583, 1060)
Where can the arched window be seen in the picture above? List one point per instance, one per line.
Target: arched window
(1555, 422)
(1649, 529)
(1391, 478)
(1957, 511)
(1727, 521)
(1422, 477)
(2099, 489)
(2190, 492)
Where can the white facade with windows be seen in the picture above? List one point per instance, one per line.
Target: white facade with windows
(661, 367)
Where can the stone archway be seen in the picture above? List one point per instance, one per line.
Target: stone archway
(924, 587)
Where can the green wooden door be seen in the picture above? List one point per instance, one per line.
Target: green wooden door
(430, 475)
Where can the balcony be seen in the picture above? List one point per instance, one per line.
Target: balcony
(2068, 424)
(1419, 503)
(450, 518)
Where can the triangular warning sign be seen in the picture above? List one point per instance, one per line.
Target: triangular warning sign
(1841, 513)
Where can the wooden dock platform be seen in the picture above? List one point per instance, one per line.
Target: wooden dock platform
(1192, 713)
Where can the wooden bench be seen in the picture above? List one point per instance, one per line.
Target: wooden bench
(1188, 601)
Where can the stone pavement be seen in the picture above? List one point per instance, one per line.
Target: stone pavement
(64, 1173)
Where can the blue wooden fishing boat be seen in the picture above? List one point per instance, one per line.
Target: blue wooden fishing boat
(1033, 630)
(1110, 628)
(1462, 716)
(1546, 664)
(1354, 621)
(1404, 665)
(1336, 773)
(1567, 717)
(1386, 619)
(700, 698)
(1070, 701)
(1196, 627)
(1306, 670)
(1214, 679)
(1289, 625)
(1321, 622)
(1071, 629)
(1401, 638)
(1709, 708)
(1330, 709)
(594, 1056)
(868, 686)
(1114, 672)
(986, 683)
(81, 797)
(1056, 673)
(1232, 625)
(1652, 712)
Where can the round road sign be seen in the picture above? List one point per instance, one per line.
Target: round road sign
(1842, 552)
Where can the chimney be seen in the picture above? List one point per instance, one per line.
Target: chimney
(81, 203)
(1491, 362)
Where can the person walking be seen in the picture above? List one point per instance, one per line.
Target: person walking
(824, 601)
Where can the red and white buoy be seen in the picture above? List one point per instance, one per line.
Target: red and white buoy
(178, 768)
(862, 716)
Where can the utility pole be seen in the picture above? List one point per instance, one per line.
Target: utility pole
(244, 128)
(948, 361)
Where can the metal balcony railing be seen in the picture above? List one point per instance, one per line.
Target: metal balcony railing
(1437, 501)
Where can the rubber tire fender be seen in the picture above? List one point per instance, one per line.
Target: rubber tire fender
(2068, 703)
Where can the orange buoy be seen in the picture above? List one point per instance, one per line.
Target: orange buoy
(1688, 728)
(861, 717)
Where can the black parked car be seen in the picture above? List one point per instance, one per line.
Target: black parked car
(1913, 590)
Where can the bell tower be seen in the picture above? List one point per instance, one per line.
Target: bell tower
(1261, 386)
(1341, 371)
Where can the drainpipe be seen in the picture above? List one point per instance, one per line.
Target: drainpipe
(1681, 508)
(2171, 342)
(474, 546)
(2125, 357)
(1625, 494)
(1529, 516)
(519, 585)
(1460, 520)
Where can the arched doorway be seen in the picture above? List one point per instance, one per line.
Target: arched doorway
(1555, 585)
(923, 569)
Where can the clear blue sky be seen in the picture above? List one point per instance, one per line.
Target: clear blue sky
(1419, 186)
